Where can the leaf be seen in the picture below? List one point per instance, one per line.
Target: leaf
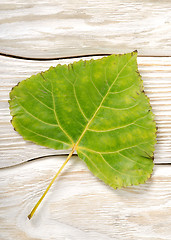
(96, 107)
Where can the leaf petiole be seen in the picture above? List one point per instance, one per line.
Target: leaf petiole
(47, 189)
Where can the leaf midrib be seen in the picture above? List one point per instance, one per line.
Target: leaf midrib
(86, 128)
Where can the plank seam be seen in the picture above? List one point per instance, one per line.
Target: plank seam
(69, 57)
(62, 155)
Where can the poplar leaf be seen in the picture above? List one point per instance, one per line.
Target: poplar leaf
(97, 108)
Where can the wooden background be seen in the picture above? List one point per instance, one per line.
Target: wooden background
(35, 35)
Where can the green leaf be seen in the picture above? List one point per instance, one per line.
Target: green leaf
(96, 107)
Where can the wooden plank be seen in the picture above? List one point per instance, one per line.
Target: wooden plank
(79, 206)
(47, 29)
(156, 74)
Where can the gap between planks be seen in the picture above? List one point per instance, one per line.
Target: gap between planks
(60, 155)
(69, 57)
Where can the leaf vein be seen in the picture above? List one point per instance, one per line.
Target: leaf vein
(120, 108)
(95, 166)
(43, 135)
(113, 129)
(119, 150)
(141, 126)
(39, 100)
(79, 106)
(116, 169)
(123, 90)
(131, 159)
(94, 83)
(45, 87)
(57, 120)
(42, 84)
(50, 124)
(64, 77)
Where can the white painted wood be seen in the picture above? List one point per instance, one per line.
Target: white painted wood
(156, 74)
(53, 28)
(81, 207)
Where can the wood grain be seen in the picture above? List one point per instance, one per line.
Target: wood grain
(156, 74)
(79, 206)
(46, 28)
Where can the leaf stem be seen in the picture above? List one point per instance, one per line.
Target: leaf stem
(47, 189)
